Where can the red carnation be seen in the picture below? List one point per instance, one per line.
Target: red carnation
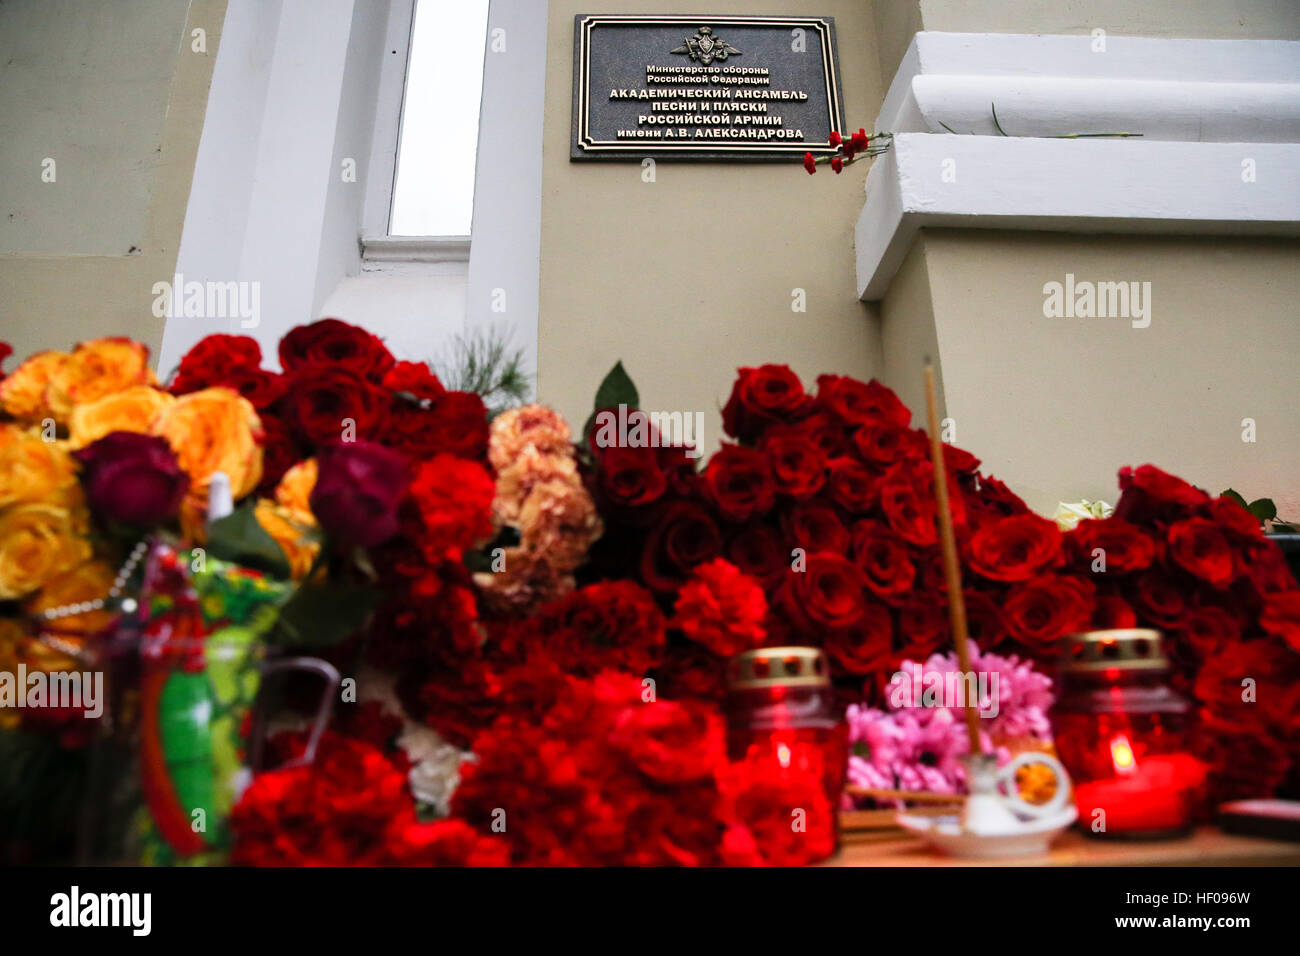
(454, 498)
(671, 742)
(762, 803)
(212, 359)
(722, 609)
(1015, 549)
(610, 624)
(809, 163)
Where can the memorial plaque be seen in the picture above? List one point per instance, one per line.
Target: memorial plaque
(704, 87)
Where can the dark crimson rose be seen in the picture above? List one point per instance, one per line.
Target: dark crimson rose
(739, 482)
(358, 488)
(1015, 549)
(814, 526)
(923, 627)
(1149, 494)
(1208, 629)
(1233, 517)
(761, 397)
(861, 404)
(959, 460)
(853, 487)
(415, 379)
(993, 496)
(829, 594)
(671, 741)
(759, 551)
(1158, 598)
(884, 559)
(984, 619)
(863, 648)
(1041, 611)
(885, 445)
(907, 498)
(324, 399)
(330, 342)
(132, 479)
(6, 350)
(631, 476)
(262, 388)
(1113, 612)
(459, 426)
(683, 535)
(1201, 548)
(212, 360)
(798, 464)
(279, 453)
(1126, 547)
(1281, 617)
(828, 432)
(692, 671)
(1267, 567)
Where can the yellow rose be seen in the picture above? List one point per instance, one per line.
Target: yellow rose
(95, 369)
(38, 542)
(11, 638)
(290, 534)
(22, 394)
(295, 488)
(214, 430)
(35, 470)
(134, 410)
(84, 583)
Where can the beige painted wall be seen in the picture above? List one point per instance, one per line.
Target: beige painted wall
(60, 287)
(689, 277)
(1055, 406)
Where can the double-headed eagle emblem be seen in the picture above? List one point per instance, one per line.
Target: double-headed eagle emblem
(704, 47)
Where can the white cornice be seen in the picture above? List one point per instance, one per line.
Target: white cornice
(1220, 151)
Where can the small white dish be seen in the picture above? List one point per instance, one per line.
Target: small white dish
(1027, 838)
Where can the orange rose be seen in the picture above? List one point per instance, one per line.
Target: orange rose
(295, 488)
(38, 542)
(84, 583)
(214, 430)
(22, 394)
(293, 536)
(95, 369)
(35, 470)
(134, 410)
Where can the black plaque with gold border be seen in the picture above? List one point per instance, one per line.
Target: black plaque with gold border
(703, 87)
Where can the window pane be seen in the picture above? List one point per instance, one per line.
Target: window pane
(434, 191)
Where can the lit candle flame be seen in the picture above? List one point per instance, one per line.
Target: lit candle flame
(1121, 755)
(783, 755)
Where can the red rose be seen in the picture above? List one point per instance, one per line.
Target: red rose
(630, 476)
(861, 404)
(923, 627)
(1200, 547)
(760, 552)
(884, 559)
(739, 482)
(1149, 494)
(1112, 613)
(330, 342)
(798, 465)
(853, 487)
(1266, 565)
(682, 536)
(448, 843)
(907, 498)
(1208, 629)
(828, 433)
(212, 360)
(1158, 598)
(325, 400)
(1281, 617)
(722, 608)
(415, 379)
(984, 619)
(829, 594)
(671, 742)
(1041, 611)
(1125, 547)
(454, 498)
(262, 388)
(1016, 548)
(863, 648)
(132, 479)
(1243, 525)
(884, 445)
(279, 453)
(358, 488)
(994, 497)
(459, 426)
(761, 397)
(814, 526)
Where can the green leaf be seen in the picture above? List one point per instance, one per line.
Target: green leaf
(239, 538)
(1263, 509)
(1229, 493)
(322, 615)
(616, 389)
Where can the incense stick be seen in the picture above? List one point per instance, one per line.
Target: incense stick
(951, 568)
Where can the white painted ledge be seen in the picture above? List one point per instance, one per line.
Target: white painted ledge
(1180, 177)
(415, 248)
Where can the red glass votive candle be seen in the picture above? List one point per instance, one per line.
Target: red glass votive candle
(1122, 732)
(781, 717)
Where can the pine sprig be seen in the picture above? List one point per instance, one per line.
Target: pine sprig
(485, 362)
